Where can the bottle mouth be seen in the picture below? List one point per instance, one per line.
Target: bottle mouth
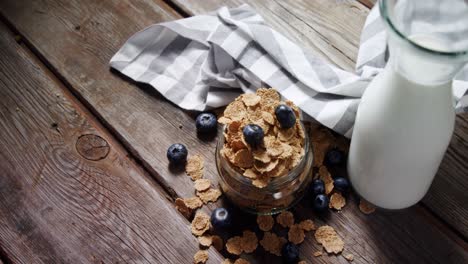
(384, 9)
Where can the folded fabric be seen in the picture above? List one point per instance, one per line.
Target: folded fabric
(206, 61)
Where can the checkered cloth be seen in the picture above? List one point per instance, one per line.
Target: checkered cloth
(206, 61)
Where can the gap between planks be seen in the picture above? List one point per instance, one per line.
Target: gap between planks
(95, 118)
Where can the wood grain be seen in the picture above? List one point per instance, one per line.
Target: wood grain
(339, 24)
(57, 206)
(329, 29)
(147, 124)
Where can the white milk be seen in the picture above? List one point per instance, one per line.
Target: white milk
(401, 132)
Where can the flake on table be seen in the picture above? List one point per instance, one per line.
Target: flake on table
(307, 225)
(200, 223)
(234, 245)
(194, 167)
(265, 222)
(366, 207)
(296, 234)
(249, 241)
(202, 185)
(285, 219)
(210, 195)
(200, 257)
(205, 240)
(329, 239)
(337, 201)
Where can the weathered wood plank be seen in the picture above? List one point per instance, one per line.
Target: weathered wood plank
(147, 124)
(69, 193)
(339, 24)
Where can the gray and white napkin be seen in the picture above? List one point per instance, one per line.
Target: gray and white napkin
(205, 61)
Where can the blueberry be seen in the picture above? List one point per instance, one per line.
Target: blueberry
(177, 153)
(318, 187)
(290, 253)
(334, 157)
(341, 184)
(321, 202)
(206, 122)
(221, 218)
(253, 135)
(285, 116)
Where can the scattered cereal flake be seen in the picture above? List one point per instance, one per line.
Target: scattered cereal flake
(217, 242)
(251, 99)
(182, 207)
(281, 169)
(302, 262)
(200, 257)
(349, 257)
(194, 167)
(249, 173)
(249, 241)
(317, 253)
(234, 245)
(337, 201)
(327, 179)
(366, 207)
(234, 127)
(202, 185)
(243, 158)
(261, 155)
(210, 195)
(200, 223)
(272, 243)
(286, 134)
(265, 167)
(268, 94)
(285, 219)
(268, 117)
(296, 234)
(261, 181)
(193, 203)
(307, 225)
(235, 110)
(265, 222)
(205, 240)
(287, 151)
(226, 261)
(329, 239)
(274, 148)
(241, 261)
(224, 120)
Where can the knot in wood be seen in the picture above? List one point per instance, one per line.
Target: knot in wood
(92, 147)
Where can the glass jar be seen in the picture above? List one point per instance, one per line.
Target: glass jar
(281, 192)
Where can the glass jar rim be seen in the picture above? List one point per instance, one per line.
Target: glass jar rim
(275, 182)
(384, 12)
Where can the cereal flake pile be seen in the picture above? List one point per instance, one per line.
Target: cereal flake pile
(282, 149)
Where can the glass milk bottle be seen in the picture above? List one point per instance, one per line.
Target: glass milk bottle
(406, 117)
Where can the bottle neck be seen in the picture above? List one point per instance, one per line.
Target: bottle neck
(419, 66)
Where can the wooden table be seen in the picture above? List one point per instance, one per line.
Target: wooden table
(83, 172)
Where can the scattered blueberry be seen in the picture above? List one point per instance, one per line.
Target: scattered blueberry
(253, 135)
(321, 202)
(177, 153)
(285, 116)
(290, 253)
(334, 157)
(341, 184)
(206, 122)
(221, 218)
(318, 187)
